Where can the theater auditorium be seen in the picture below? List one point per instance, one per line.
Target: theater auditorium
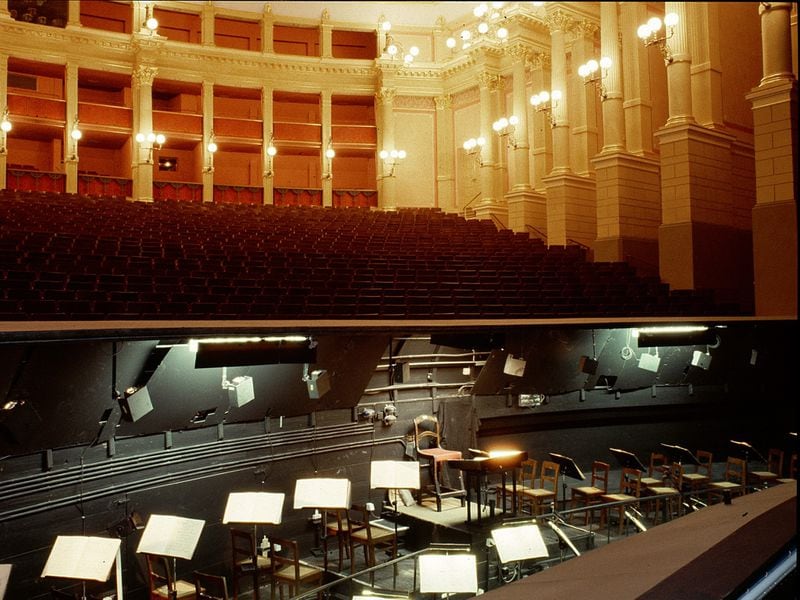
(401, 300)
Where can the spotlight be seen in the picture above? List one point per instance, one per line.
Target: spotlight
(135, 403)
(514, 366)
(701, 359)
(649, 362)
(389, 414)
(240, 390)
(588, 365)
(319, 384)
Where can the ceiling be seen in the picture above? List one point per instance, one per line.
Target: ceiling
(416, 14)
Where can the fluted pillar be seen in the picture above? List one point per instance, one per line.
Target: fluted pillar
(775, 109)
(635, 65)
(584, 119)
(613, 118)
(267, 161)
(487, 84)
(542, 151)
(327, 163)
(143, 77)
(326, 35)
(558, 24)
(73, 14)
(445, 155)
(207, 24)
(704, 37)
(679, 68)
(267, 34)
(521, 177)
(386, 182)
(4, 14)
(208, 128)
(3, 135)
(71, 145)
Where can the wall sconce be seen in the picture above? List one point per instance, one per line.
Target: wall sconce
(152, 140)
(546, 102)
(504, 127)
(150, 22)
(271, 151)
(394, 49)
(474, 148)
(595, 72)
(212, 148)
(648, 33)
(5, 127)
(391, 158)
(76, 134)
(329, 154)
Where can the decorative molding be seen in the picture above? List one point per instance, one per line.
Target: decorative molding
(467, 97)
(539, 60)
(585, 29)
(385, 95)
(488, 80)
(518, 51)
(559, 21)
(144, 74)
(415, 102)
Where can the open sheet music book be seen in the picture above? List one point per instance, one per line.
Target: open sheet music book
(81, 557)
(519, 543)
(5, 575)
(166, 535)
(253, 507)
(448, 573)
(394, 474)
(322, 493)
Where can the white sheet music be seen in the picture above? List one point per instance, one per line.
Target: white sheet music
(322, 492)
(253, 507)
(5, 575)
(167, 535)
(519, 543)
(81, 557)
(394, 474)
(448, 573)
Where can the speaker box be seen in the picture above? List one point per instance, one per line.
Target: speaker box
(241, 391)
(701, 359)
(588, 365)
(649, 362)
(514, 366)
(136, 405)
(319, 384)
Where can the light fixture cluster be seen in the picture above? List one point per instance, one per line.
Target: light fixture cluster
(474, 147)
(491, 27)
(505, 127)
(650, 34)
(329, 154)
(391, 158)
(152, 140)
(395, 49)
(76, 134)
(546, 102)
(5, 127)
(271, 152)
(595, 72)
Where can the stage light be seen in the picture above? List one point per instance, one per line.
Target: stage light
(318, 383)
(135, 403)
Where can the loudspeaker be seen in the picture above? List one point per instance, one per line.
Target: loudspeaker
(701, 359)
(588, 365)
(319, 384)
(649, 362)
(514, 366)
(135, 404)
(241, 391)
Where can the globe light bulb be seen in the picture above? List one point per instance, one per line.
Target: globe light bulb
(593, 65)
(654, 23)
(160, 138)
(151, 23)
(5, 125)
(605, 62)
(643, 32)
(413, 51)
(545, 96)
(556, 95)
(670, 19)
(401, 154)
(483, 27)
(481, 141)
(583, 71)
(212, 147)
(272, 150)
(451, 42)
(76, 134)
(502, 33)
(513, 120)
(140, 137)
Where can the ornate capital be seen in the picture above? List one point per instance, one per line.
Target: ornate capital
(326, 16)
(539, 60)
(585, 29)
(443, 102)
(385, 95)
(559, 21)
(144, 74)
(518, 52)
(488, 80)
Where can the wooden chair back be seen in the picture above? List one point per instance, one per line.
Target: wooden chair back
(775, 461)
(736, 470)
(706, 460)
(630, 482)
(600, 472)
(243, 548)
(658, 462)
(548, 477)
(426, 432)
(210, 587)
(527, 472)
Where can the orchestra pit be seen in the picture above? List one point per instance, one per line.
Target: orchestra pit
(402, 300)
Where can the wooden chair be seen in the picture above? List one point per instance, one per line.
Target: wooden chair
(246, 560)
(630, 489)
(289, 570)
(546, 490)
(336, 524)
(162, 582)
(700, 474)
(735, 479)
(792, 470)
(657, 471)
(210, 587)
(590, 494)
(773, 471)
(362, 533)
(427, 441)
(526, 479)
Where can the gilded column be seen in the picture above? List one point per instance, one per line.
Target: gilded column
(327, 163)
(4, 14)
(326, 35)
(445, 156)
(73, 14)
(613, 118)
(267, 161)
(638, 102)
(704, 38)
(487, 84)
(384, 99)
(679, 74)
(267, 33)
(521, 180)
(584, 125)
(207, 24)
(71, 122)
(540, 125)
(208, 131)
(559, 23)
(3, 107)
(143, 77)
(775, 119)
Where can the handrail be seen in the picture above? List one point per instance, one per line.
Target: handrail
(467, 205)
(538, 232)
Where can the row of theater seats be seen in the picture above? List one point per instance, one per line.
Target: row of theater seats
(63, 256)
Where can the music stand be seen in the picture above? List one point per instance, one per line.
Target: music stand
(394, 475)
(448, 574)
(569, 469)
(628, 460)
(744, 450)
(167, 535)
(84, 558)
(322, 493)
(519, 542)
